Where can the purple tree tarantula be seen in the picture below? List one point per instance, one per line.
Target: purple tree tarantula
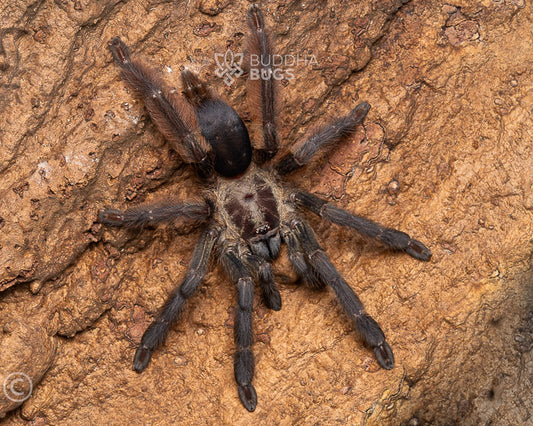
(248, 212)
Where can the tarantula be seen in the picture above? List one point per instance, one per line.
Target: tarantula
(247, 211)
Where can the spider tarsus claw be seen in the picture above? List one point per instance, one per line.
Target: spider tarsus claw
(418, 250)
(248, 397)
(361, 109)
(141, 359)
(274, 301)
(119, 50)
(111, 217)
(275, 306)
(115, 41)
(384, 355)
(255, 19)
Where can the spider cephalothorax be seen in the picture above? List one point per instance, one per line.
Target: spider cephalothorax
(247, 212)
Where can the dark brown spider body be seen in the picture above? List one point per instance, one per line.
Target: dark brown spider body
(247, 212)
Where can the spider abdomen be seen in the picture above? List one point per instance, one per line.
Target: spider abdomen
(227, 135)
(220, 125)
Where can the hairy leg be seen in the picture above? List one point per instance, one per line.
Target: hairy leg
(262, 85)
(297, 257)
(157, 331)
(151, 215)
(244, 363)
(392, 238)
(323, 139)
(263, 271)
(368, 328)
(172, 116)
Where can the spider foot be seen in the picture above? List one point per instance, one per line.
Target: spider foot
(119, 51)
(418, 250)
(272, 300)
(373, 336)
(360, 112)
(111, 217)
(142, 358)
(255, 18)
(384, 356)
(248, 396)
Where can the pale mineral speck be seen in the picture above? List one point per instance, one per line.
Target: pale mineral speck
(42, 173)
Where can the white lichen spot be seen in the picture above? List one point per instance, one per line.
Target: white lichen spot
(77, 162)
(42, 173)
(44, 169)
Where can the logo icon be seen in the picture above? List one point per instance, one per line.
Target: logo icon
(18, 387)
(229, 66)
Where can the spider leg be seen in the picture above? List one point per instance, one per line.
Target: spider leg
(150, 215)
(393, 238)
(244, 363)
(323, 139)
(157, 331)
(195, 90)
(262, 84)
(368, 328)
(172, 116)
(297, 258)
(263, 271)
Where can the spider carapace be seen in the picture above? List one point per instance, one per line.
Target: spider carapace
(247, 211)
